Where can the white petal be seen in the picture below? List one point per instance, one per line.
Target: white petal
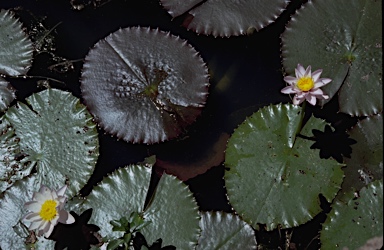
(311, 99)
(35, 225)
(322, 82)
(32, 217)
(62, 190)
(316, 74)
(290, 80)
(316, 92)
(65, 217)
(33, 206)
(289, 90)
(48, 230)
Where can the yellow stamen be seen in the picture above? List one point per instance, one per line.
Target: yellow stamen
(48, 210)
(305, 83)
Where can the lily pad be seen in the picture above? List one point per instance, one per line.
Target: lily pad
(225, 231)
(16, 49)
(172, 212)
(225, 18)
(350, 224)
(144, 85)
(366, 162)
(13, 233)
(269, 169)
(58, 136)
(13, 164)
(344, 38)
(7, 94)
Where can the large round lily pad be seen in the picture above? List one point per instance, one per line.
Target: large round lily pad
(144, 85)
(344, 38)
(350, 224)
(274, 178)
(16, 49)
(225, 231)
(13, 164)
(172, 212)
(366, 162)
(225, 18)
(58, 136)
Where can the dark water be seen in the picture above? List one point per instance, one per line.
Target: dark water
(251, 64)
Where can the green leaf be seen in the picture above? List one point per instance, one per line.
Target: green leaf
(274, 178)
(344, 38)
(350, 224)
(7, 94)
(225, 18)
(173, 214)
(16, 49)
(13, 233)
(366, 162)
(13, 165)
(117, 196)
(149, 96)
(113, 244)
(58, 136)
(225, 231)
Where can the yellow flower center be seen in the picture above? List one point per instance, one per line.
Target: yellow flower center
(305, 83)
(48, 210)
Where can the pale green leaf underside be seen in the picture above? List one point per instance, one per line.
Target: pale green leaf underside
(366, 162)
(16, 49)
(350, 224)
(58, 135)
(13, 166)
(7, 94)
(13, 233)
(226, 18)
(268, 174)
(225, 231)
(344, 38)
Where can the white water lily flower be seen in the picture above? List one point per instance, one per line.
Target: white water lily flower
(306, 85)
(47, 210)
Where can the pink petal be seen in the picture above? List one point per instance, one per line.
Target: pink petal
(322, 82)
(65, 217)
(316, 75)
(297, 100)
(316, 92)
(289, 90)
(300, 71)
(311, 99)
(49, 231)
(290, 80)
(35, 225)
(308, 71)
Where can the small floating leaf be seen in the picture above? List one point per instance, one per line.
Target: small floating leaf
(13, 233)
(225, 231)
(16, 49)
(7, 94)
(344, 38)
(13, 164)
(366, 162)
(144, 85)
(269, 167)
(58, 136)
(350, 224)
(225, 18)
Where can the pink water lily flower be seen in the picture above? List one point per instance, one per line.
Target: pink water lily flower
(306, 85)
(47, 210)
